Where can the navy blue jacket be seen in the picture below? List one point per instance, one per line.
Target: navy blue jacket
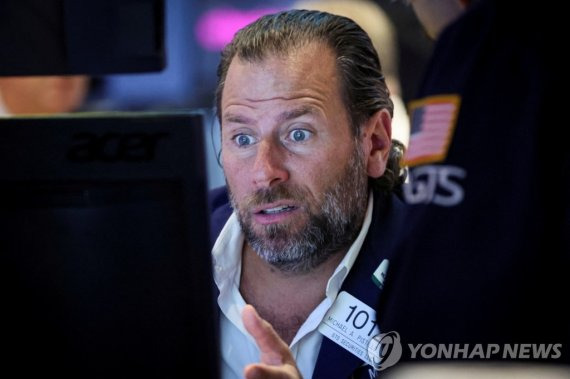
(334, 361)
(493, 267)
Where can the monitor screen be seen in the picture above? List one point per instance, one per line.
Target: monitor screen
(56, 37)
(105, 255)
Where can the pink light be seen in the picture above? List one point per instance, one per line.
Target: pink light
(216, 27)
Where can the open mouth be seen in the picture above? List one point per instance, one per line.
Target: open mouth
(277, 210)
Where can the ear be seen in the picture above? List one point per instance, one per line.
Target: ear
(377, 141)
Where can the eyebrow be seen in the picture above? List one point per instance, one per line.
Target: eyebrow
(295, 113)
(237, 119)
(282, 117)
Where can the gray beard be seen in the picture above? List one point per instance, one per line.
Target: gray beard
(333, 226)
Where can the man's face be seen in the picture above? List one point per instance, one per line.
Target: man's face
(294, 169)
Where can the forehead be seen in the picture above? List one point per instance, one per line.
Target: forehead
(307, 71)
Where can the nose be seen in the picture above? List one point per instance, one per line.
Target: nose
(269, 168)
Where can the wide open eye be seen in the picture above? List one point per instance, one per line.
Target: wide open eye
(300, 135)
(244, 140)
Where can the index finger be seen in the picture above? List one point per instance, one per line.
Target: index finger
(274, 351)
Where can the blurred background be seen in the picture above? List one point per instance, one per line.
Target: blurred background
(194, 34)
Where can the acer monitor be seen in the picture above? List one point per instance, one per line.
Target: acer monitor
(105, 259)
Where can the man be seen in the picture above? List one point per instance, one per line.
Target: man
(482, 264)
(305, 121)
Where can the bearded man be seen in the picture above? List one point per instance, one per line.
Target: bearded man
(303, 227)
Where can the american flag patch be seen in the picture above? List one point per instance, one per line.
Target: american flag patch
(432, 122)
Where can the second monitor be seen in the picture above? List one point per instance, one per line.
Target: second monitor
(106, 265)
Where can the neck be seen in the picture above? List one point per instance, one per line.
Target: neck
(285, 299)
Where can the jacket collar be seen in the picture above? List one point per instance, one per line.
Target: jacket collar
(333, 360)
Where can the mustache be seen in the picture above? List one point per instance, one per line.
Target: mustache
(272, 194)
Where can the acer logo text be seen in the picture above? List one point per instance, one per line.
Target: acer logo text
(114, 147)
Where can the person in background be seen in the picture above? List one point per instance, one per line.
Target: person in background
(483, 260)
(42, 94)
(302, 228)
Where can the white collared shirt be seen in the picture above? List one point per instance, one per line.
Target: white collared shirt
(238, 348)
